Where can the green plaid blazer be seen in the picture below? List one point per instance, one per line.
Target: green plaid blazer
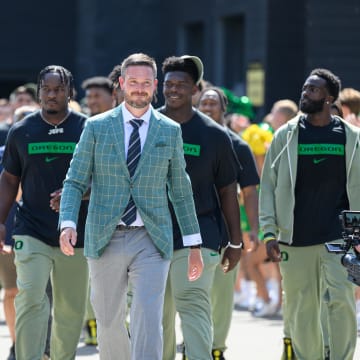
(99, 159)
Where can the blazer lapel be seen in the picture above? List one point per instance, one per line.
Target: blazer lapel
(117, 124)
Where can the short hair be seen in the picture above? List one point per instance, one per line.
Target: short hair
(350, 98)
(175, 63)
(23, 89)
(66, 78)
(333, 83)
(286, 107)
(114, 76)
(98, 82)
(220, 92)
(138, 59)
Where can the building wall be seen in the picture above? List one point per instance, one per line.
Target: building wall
(34, 35)
(311, 34)
(107, 35)
(91, 36)
(332, 37)
(285, 51)
(234, 35)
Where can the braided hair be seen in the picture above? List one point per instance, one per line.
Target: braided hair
(114, 76)
(66, 78)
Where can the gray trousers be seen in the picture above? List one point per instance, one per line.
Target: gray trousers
(131, 257)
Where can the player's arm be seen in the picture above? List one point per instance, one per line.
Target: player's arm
(9, 185)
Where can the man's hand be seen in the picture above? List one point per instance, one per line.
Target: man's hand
(230, 258)
(55, 200)
(254, 240)
(68, 238)
(273, 251)
(195, 264)
(2, 238)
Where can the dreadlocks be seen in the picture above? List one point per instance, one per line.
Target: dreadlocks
(66, 78)
(114, 76)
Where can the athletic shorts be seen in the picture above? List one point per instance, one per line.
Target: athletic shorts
(7, 271)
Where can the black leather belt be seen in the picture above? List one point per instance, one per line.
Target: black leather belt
(128, 227)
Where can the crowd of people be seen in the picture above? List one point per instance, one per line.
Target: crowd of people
(195, 206)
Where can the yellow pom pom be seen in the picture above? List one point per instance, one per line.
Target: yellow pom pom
(258, 139)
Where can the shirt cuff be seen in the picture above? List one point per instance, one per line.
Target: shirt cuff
(193, 239)
(67, 224)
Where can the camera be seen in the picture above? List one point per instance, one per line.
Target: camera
(350, 221)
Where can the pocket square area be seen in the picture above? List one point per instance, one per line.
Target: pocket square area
(160, 144)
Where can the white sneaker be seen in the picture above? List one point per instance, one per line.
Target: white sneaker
(264, 309)
(272, 286)
(244, 298)
(241, 300)
(256, 304)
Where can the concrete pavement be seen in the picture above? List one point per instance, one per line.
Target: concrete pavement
(249, 339)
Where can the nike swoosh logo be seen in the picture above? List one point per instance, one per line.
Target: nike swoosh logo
(49, 159)
(317, 161)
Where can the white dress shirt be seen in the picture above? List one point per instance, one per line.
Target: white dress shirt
(143, 130)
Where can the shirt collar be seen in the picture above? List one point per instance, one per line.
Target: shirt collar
(127, 115)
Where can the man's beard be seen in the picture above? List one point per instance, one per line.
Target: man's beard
(139, 103)
(312, 106)
(51, 112)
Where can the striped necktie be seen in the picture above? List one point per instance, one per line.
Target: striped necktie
(133, 156)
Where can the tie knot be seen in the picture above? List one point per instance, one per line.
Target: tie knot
(136, 123)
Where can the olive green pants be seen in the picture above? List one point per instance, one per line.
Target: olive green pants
(222, 302)
(191, 299)
(312, 279)
(35, 263)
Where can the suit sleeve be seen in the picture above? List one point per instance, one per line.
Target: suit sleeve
(78, 176)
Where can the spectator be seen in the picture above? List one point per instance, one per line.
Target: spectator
(281, 112)
(350, 103)
(98, 94)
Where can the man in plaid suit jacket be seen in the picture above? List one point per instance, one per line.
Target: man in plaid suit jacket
(138, 253)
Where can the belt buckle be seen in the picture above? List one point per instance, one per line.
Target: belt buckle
(127, 227)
